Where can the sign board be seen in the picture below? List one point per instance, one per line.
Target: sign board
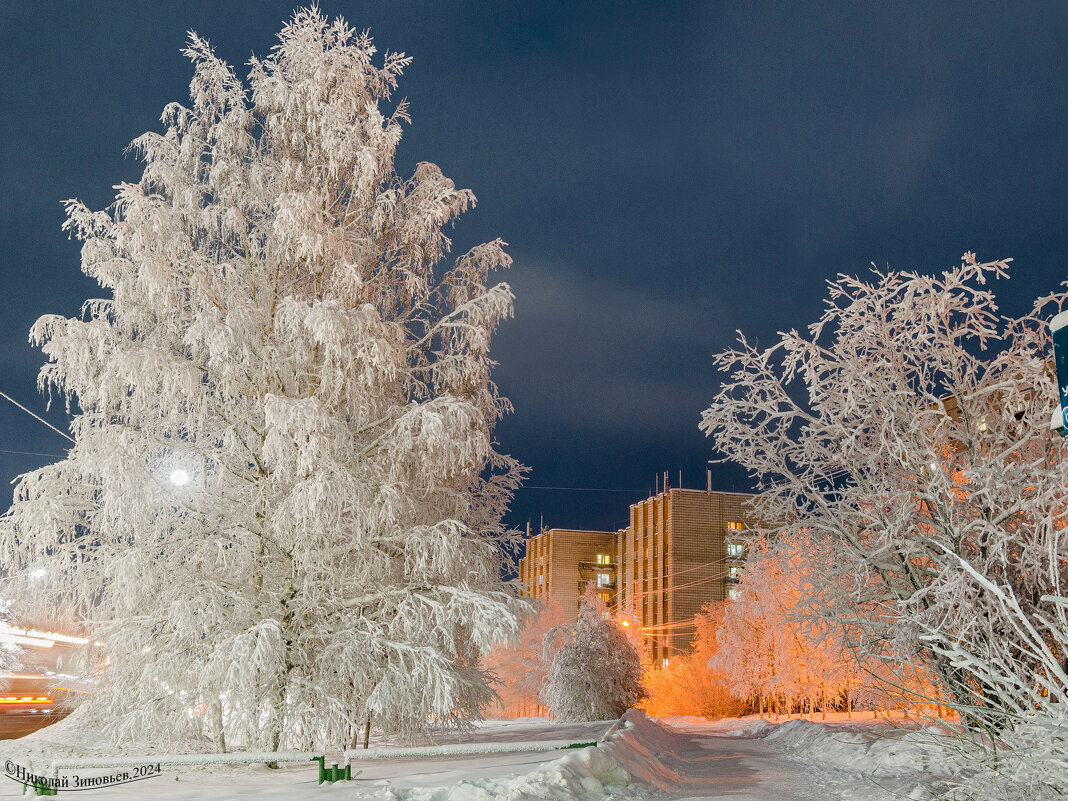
(1059, 330)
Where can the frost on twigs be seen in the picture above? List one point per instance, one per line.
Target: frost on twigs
(281, 329)
(906, 439)
(595, 671)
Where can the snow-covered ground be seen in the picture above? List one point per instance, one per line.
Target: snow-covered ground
(744, 759)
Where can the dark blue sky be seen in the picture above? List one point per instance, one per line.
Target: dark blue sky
(665, 174)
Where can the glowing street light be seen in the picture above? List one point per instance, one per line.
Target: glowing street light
(179, 478)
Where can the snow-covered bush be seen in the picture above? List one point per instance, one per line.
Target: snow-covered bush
(908, 432)
(519, 667)
(282, 512)
(595, 672)
(692, 683)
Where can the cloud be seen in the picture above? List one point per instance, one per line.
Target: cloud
(606, 353)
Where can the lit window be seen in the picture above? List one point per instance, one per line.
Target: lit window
(733, 593)
(604, 579)
(735, 525)
(541, 580)
(734, 571)
(604, 596)
(735, 549)
(665, 661)
(602, 559)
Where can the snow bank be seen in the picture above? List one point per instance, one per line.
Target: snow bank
(459, 749)
(588, 774)
(727, 727)
(872, 750)
(233, 758)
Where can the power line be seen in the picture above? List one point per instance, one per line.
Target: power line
(37, 417)
(34, 453)
(581, 489)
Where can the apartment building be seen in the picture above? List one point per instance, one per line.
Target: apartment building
(560, 562)
(678, 552)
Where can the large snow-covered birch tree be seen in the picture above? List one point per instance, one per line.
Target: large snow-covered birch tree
(282, 511)
(908, 432)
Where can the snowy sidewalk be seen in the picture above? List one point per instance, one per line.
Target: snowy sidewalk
(752, 760)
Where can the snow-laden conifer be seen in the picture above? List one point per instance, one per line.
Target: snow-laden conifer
(279, 327)
(595, 672)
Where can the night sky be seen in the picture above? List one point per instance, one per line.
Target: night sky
(665, 174)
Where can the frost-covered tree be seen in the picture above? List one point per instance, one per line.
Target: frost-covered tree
(690, 684)
(909, 430)
(595, 672)
(776, 647)
(519, 666)
(282, 511)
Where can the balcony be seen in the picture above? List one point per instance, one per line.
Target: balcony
(583, 565)
(585, 583)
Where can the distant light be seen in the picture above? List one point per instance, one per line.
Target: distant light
(39, 573)
(625, 623)
(41, 639)
(179, 478)
(28, 641)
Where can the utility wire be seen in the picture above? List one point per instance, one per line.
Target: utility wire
(34, 453)
(581, 489)
(36, 416)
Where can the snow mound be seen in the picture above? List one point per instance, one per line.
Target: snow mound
(588, 774)
(73, 736)
(884, 752)
(633, 752)
(731, 727)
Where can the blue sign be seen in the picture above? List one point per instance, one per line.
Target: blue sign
(1059, 329)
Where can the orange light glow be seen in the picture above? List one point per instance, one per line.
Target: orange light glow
(26, 699)
(625, 623)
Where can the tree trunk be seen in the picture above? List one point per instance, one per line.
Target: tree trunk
(367, 731)
(275, 717)
(218, 737)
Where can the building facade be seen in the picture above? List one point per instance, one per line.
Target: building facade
(560, 562)
(678, 552)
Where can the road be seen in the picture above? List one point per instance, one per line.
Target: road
(15, 726)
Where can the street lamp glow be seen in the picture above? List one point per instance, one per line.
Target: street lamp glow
(179, 478)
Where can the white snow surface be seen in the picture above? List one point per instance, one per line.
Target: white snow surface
(682, 759)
